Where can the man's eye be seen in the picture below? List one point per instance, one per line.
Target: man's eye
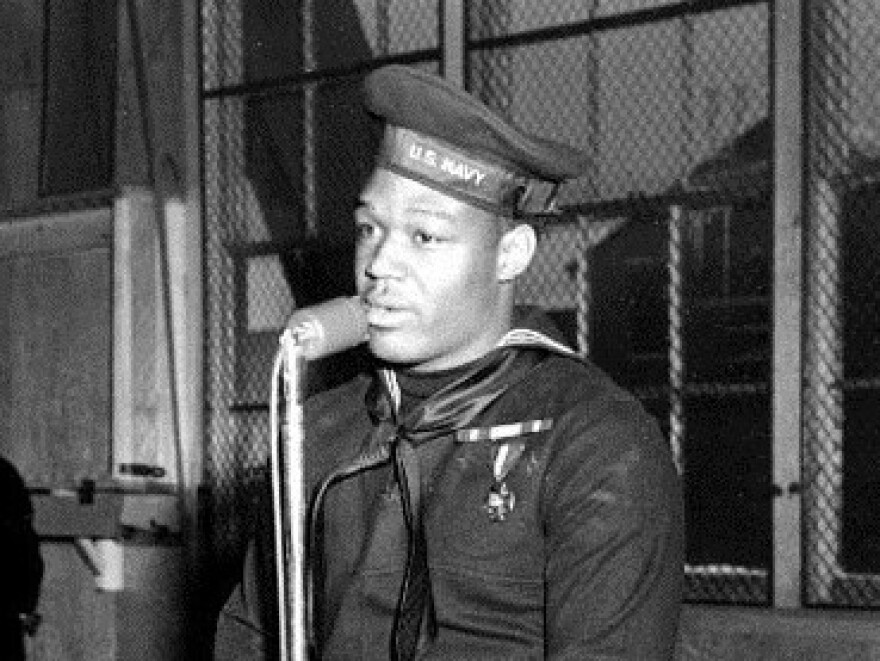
(425, 238)
(364, 230)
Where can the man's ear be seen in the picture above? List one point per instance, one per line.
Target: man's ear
(515, 251)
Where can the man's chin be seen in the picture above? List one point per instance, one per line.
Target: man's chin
(392, 346)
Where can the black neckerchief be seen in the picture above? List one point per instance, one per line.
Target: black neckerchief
(416, 387)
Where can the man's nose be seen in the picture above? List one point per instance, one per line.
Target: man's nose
(385, 260)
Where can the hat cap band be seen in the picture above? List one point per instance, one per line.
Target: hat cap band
(451, 170)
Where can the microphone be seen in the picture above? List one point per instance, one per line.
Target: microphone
(329, 327)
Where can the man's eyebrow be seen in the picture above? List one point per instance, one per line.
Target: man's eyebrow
(430, 210)
(363, 209)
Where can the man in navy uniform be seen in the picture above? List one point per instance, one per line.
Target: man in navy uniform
(484, 493)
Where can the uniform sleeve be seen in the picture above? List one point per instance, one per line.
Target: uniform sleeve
(247, 623)
(241, 633)
(614, 525)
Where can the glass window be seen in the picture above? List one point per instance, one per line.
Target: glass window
(57, 98)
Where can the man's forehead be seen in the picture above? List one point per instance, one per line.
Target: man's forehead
(388, 189)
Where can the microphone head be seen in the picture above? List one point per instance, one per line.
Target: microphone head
(329, 327)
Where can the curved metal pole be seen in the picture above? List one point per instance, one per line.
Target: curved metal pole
(289, 499)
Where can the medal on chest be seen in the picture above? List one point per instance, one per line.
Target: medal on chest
(508, 447)
(501, 500)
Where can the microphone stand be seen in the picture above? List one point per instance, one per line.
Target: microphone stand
(311, 333)
(289, 499)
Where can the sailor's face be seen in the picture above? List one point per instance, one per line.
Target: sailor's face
(426, 266)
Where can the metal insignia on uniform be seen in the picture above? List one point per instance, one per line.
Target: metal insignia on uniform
(500, 501)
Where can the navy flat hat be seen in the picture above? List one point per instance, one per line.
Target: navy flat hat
(445, 138)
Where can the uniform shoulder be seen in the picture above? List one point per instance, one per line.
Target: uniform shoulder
(581, 379)
(604, 437)
(586, 403)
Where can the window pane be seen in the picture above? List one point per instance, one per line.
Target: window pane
(57, 98)
(21, 67)
(728, 480)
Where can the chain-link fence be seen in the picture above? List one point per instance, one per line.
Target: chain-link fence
(842, 344)
(663, 275)
(665, 279)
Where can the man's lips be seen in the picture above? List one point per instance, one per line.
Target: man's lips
(384, 312)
